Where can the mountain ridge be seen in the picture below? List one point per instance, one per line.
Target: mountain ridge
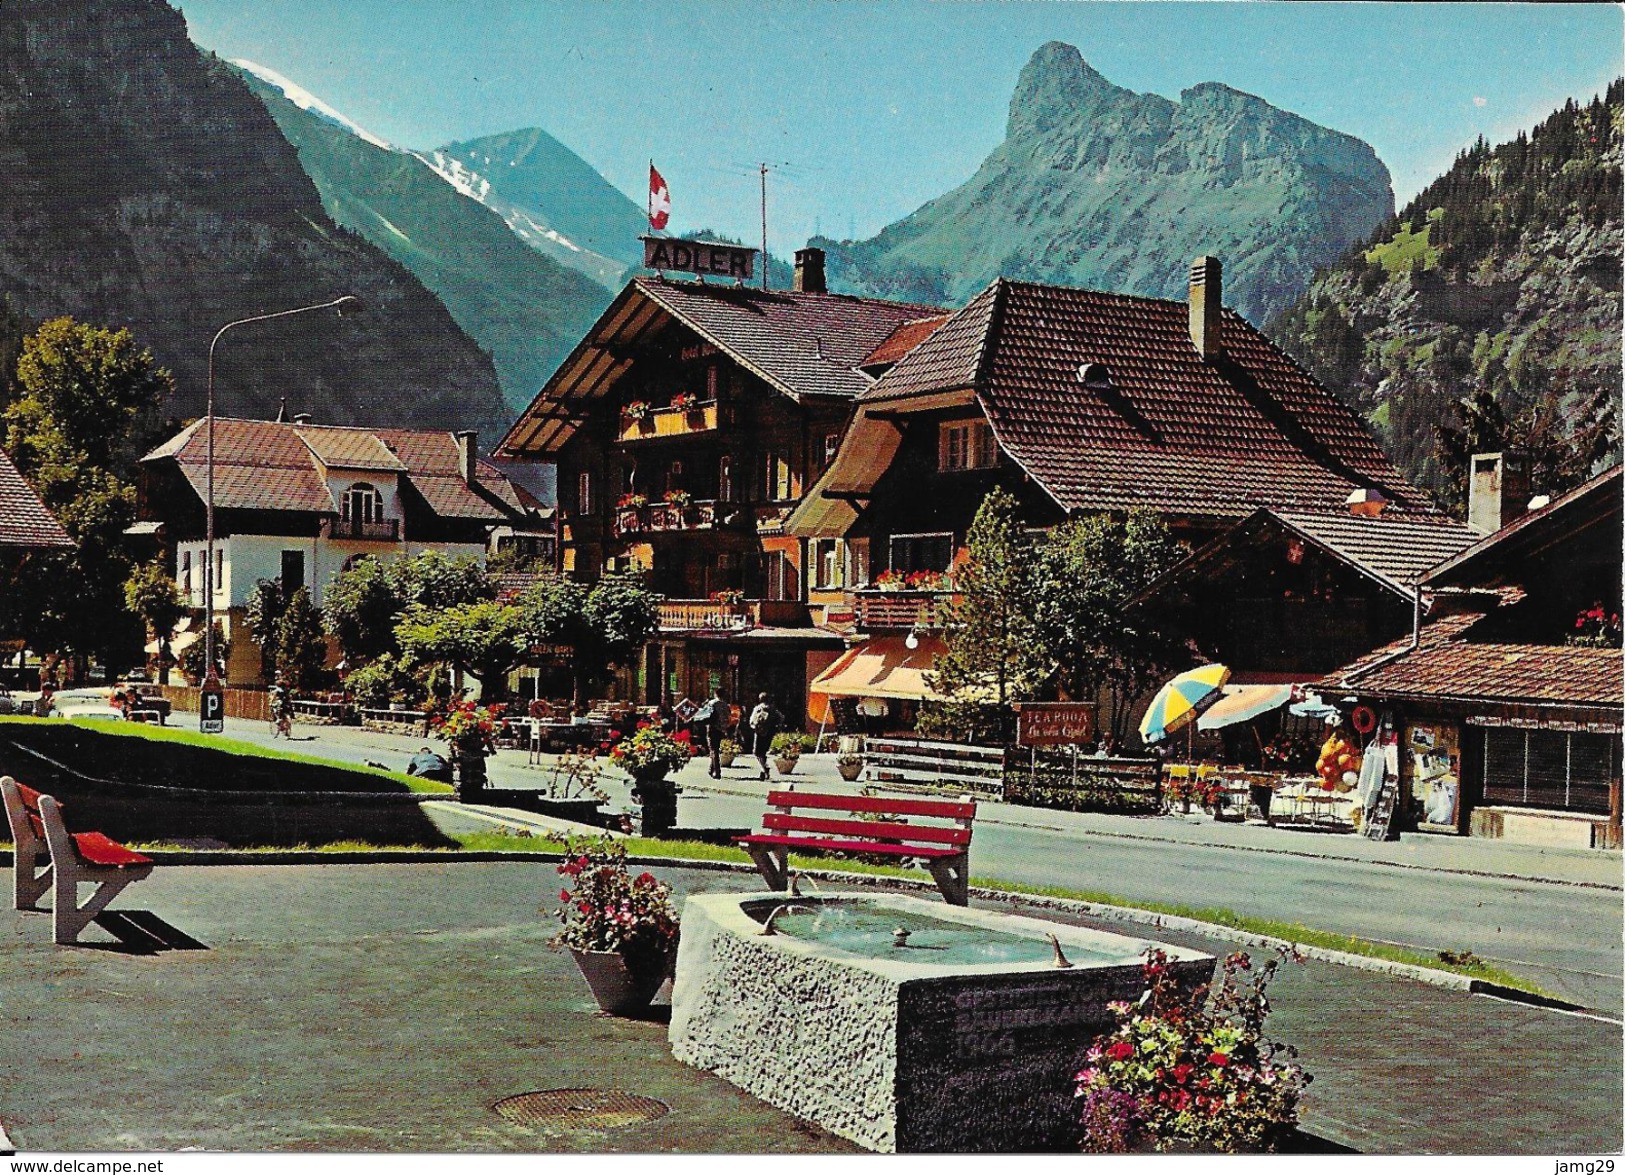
(1068, 197)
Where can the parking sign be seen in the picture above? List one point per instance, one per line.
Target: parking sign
(212, 710)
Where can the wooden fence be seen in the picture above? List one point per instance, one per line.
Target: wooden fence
(1058, 778)
(252, 704)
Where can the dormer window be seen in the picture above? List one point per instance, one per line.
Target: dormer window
(363, 503)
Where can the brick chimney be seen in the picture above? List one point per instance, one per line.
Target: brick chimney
(1207, 300)
(1497, 490)
(468, 454)
(810, 272)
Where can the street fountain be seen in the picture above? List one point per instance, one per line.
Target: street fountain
(902, 1024)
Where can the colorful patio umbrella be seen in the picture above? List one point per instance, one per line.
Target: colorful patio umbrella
(1180, 700)
(1242, 703)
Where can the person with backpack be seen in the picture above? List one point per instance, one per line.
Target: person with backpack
(764, 724)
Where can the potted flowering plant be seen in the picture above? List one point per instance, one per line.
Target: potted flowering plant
(471, 731)
(681, 499)
(685, 402)
(787, 748)
(728, 597)
(648, 754)
(637, 411)
(850, 766)
(889, 580)
(1596, 628)
(727, 751)
(621, 929)
(1191, 1068)
(632, 501)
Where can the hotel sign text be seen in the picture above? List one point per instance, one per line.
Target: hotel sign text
(702, 258)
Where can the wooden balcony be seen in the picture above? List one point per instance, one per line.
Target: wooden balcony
(882, 609)
(664, 517)
(382, 530)
(662, 423)
(712, 614)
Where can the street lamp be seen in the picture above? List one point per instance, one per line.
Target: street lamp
(348, 302)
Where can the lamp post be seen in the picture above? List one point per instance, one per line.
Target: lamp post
(348, 302)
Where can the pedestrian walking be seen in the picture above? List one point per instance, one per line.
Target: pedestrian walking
(716, 713)
(765, 721)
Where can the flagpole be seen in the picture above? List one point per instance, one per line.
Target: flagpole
(649, 196)
(764, 226)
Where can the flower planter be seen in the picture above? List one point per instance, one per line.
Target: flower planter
(726, 758)
(618, 988)
(786, 765)
(850, 771)
(470, 775)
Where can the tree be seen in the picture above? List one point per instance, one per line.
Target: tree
(155, 597)
(301, 647)
(367, 601)
(1087, 571)
(263, 615)
(990, 636)
(192, 661)
(79, 395)
(604, 625)
(486, 639)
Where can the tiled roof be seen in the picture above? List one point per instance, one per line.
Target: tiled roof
(349, 448)
(271, 465)
(1394, 549)
(1503, 673)
(804, 344)
(903, 340)
(1170, 431)
(1435, 632)
(24, 520)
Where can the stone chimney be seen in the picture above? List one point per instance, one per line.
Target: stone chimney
(468, 454)
(810, 272)
(1207, 300)
(1497, 490)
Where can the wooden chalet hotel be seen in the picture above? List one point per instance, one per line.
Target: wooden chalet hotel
(1081, 402)
(685, 427)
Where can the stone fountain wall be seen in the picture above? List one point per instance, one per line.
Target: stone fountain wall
(898, 1056)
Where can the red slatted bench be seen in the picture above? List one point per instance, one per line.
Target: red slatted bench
(944, 848)
(48, 856)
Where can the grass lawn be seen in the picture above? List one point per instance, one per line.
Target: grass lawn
(231, 746)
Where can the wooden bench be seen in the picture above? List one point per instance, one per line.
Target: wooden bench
(48, 856)
(944, 848)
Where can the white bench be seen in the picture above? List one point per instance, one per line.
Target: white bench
(942, 766)
(48, 856)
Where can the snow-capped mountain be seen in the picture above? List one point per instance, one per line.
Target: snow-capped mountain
(308, 102)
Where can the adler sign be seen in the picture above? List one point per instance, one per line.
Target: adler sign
(701, 258)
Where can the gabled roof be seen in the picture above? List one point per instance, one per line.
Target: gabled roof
(1595, 502)
(24, 520)
(799, 344)
(1390, 550)
(1167, 430)
(277, 466)
(1394, 550)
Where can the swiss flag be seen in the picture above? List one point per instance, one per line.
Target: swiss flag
(659, 200)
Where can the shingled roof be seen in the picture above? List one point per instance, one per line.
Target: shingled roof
(1164, 428)
(800, 344)
(24, 520)
(277, 466)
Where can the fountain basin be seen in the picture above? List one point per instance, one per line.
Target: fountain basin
(963, 1036)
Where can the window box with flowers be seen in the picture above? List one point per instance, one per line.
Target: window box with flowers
(685, 402)
(679, 499)
(620, 928)
(637, 411)
(1596, 628)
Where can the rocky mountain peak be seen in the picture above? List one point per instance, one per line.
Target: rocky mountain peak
(1054, 87)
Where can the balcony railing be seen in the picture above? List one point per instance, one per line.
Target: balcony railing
(884, 609)
(379, 529)
(713, 614)
(671, 422)
(658, 517)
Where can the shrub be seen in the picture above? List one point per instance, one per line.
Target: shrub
(1191, 1067)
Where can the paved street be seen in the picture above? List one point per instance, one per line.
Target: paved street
(1552, 915)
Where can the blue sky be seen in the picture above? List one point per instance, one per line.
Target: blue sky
(869, 108)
